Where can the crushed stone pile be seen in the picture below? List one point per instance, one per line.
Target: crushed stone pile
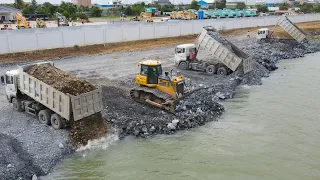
(88, 128)
(214, 33)
(60, 80)
(132, 118)
(197, 109)
(270, 52)
(91, 127)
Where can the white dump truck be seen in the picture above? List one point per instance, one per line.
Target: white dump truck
(225, 57)
(53, 107)
(288, 26)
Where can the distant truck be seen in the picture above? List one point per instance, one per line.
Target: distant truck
(225, 59)
(27, 93)
(288, 26)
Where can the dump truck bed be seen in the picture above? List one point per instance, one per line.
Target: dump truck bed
(223, 50)
(63, 104)
(291, 29)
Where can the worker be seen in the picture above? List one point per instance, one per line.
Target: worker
(248, 34)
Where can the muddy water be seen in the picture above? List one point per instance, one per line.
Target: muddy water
(268, 132)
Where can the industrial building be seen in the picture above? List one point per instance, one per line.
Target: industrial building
(8, 13)
(85, 3)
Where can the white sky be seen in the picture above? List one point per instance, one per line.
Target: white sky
(123, 1)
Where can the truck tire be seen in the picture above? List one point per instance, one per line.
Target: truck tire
(16, 104)
(211, 69)
(57, 122)
(183, 65)
(222, 71)
(44, 116)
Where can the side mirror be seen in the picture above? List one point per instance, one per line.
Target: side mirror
(2, 80)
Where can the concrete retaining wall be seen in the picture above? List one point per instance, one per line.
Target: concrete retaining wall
(37, 39)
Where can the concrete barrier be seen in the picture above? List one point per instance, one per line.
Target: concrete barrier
(37, 39)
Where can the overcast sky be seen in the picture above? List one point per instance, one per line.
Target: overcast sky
(123, 1)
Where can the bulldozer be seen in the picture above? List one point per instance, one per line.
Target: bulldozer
(156, 89)
(40, 23)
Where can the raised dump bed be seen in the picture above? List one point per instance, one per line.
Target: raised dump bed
(292, 29)
(223, 50)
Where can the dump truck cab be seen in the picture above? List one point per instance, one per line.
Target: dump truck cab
(151, 76)
(263, 33)
(185, 53)
(9, 80)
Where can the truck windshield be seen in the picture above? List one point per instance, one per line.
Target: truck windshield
(192, 51)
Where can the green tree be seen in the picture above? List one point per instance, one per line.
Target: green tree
(138, 8)
(19, 4)
(26, 10)
(40, 10)
(316, 9)
(60, 10)
(49, 8)
(96, 11)
(193, 5)
(82, 16)
(167, 8)
(284, 6)
(66, 14)
(128, 11)
(241, 5)
(220, 4)
(155, 5)
(262, 9)
(33, 6)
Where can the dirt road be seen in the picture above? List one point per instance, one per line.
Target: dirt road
(312, 28)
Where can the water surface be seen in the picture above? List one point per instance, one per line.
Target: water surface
(268, 132)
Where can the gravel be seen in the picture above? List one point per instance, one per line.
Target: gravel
(31, 148)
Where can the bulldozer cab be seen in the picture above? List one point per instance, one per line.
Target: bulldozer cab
(150, 70)
(151, 76)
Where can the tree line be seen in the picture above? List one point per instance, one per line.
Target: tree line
(69, 10)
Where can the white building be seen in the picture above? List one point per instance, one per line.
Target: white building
(8, 13)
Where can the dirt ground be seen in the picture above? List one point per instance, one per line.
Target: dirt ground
(311, 28)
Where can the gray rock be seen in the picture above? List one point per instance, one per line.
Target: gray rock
(34, 177)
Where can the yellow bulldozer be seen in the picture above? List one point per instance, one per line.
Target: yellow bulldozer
(160, 90)
(40, 23)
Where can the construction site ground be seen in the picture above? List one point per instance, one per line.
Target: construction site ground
(114, 67)
(311, 28)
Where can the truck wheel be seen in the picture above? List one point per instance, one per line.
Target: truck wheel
(44, 116)
(183, 65)
(211, 69)
(16, 104)
(222, 71)
(57, 122)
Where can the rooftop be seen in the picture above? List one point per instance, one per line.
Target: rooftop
(7, 9)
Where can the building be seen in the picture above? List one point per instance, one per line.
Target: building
(111, 4)
(231, 5)
(8, 13)
(205, 3)
(85, 3)
(163, 2)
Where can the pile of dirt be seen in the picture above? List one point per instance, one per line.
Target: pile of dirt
(88, 128)
(60, 80)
